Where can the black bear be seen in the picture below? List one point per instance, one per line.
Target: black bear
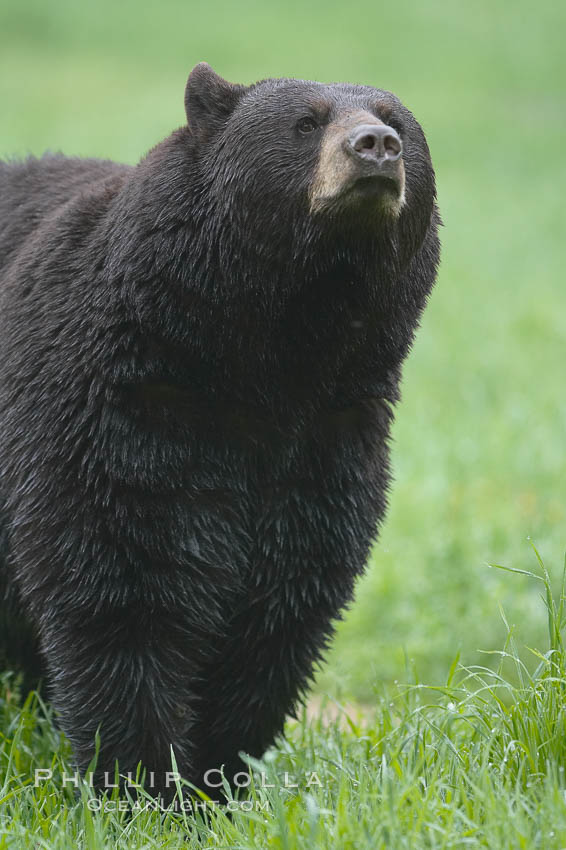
(199, 360)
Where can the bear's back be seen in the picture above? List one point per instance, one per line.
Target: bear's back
(32, 189)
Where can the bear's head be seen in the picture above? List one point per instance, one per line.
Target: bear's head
(317, 159)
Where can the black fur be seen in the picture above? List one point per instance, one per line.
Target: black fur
(197, 378)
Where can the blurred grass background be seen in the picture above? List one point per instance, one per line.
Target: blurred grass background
(479, 445)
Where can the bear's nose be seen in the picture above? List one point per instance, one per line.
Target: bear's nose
(375, 141)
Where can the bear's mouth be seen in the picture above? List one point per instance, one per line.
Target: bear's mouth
(376, 185)
(374, 191)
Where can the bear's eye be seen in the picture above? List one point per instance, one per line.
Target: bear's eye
(393, 122)
(306, 125)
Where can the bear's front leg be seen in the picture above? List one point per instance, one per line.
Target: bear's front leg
(128, 603)
(129, 674)
(311, 543)
(259, 676)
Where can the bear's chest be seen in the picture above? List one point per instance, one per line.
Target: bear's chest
(274, 497)
(305, 498)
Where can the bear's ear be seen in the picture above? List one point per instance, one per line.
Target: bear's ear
(209, 101)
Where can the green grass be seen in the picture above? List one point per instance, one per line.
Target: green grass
(478, 453)
(477, 762)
